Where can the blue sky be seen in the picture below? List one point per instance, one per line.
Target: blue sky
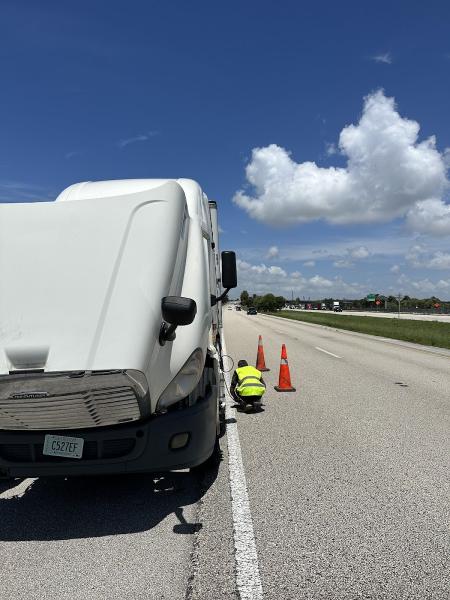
(255, 100)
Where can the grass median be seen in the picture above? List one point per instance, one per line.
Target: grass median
(428, 333)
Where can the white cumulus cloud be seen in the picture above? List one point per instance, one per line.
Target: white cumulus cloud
(262, 279)
(350, 255)
(320, 282)
(439, 260)
(359, 253)
(430, 216)
(331, 149)
(389, 174)
(272, 252)
(420, 256)
(343, 263)
(422, 287)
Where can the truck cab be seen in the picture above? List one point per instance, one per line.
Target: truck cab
(110, 315)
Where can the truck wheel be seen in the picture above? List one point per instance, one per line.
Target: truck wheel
(222, 421)
(211, 463)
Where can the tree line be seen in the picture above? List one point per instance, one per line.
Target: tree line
(270, 302)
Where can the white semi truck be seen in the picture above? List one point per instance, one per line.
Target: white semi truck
(110, 322)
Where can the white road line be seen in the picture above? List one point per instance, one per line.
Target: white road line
(326, 352)
(248, 580)
(19, 490)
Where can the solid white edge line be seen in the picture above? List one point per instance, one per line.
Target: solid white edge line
(326, 352)
(248, 580)
(19, 490)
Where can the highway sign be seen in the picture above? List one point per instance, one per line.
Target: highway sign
(371, 297)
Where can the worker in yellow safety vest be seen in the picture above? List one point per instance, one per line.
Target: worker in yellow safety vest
(247, 386)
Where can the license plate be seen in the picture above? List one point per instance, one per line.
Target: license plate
(61, 445)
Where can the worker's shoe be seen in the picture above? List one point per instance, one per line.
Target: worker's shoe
(257, 406)
(248, 408)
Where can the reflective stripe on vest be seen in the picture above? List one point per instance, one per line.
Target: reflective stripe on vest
(249, 382)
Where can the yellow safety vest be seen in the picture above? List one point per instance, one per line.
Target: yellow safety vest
(249, 382)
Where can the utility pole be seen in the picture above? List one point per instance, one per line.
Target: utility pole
(399, 299)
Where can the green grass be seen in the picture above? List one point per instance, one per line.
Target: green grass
(429, 333)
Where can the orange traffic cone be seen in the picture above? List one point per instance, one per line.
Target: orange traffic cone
(284, 381)
(260, 360)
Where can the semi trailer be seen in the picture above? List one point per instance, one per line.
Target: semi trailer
(110, 329)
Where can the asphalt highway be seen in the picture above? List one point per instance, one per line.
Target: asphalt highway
(348, 477)
(347, 482)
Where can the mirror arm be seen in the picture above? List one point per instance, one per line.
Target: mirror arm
(215, 299)
(166, 333)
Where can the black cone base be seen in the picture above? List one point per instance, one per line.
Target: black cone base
(279, 389)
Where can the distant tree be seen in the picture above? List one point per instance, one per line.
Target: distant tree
(279, 302)
(266, 303)
(244, 298)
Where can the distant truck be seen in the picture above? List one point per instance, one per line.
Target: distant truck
(337, 306)
(110, 313)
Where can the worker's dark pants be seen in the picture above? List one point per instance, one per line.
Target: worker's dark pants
(245, 399)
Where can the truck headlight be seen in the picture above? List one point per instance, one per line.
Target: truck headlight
(184, 382)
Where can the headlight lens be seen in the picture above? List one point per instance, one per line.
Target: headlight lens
(184, 382)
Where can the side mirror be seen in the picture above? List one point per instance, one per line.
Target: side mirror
(229, 276)
(176, 311)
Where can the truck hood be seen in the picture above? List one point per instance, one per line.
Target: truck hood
(81, 281)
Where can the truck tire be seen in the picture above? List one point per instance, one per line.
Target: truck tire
(210, 464)
(222, 421)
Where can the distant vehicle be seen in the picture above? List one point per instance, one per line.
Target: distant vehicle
(323, 306)
(230, 308)
(238, 308)
(252, 311)
(337, 306)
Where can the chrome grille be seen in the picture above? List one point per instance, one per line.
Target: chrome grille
(63, 401)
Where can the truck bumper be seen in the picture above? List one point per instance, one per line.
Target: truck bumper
(138, 447)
